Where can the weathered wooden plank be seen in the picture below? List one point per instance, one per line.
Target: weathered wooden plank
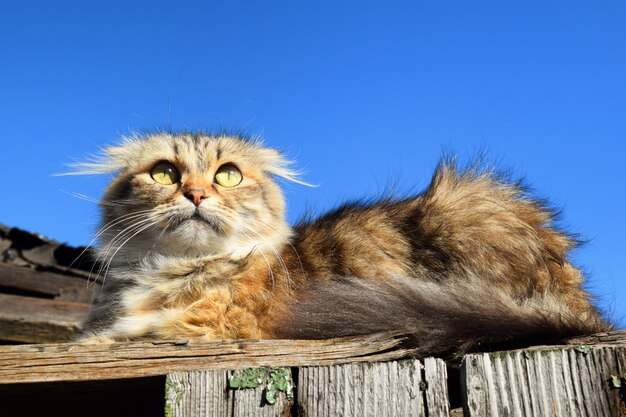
(73, 361)
(364, 389)
(252, 403)
(48, 284)
(436, 388)
(30, 249)
(201, 393)
(544, 382)
(372, 389)
(29, 319)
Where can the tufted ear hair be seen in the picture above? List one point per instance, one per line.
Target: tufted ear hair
(111, 159)
(275, 163)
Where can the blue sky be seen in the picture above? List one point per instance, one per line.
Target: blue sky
(364, 95)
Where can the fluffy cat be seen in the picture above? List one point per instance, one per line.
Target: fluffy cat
(194, 244)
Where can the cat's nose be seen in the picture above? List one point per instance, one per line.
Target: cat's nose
(195, 195)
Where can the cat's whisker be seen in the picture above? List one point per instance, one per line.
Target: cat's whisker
(101, 202)
(114, 203)
(109, 247)
(130, 235)
(135, 231)
(81, 196)
(121, 235)
(104, 228)
(158, 239)
(109, 225)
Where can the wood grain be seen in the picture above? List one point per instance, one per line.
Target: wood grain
(616, 337)
(206, 393)
(46, 284)
(436, 388)
(568, 382)
(355, 390)
(399, 388)
(74, 362)
(396, 388)
(28, 319)
(201, 393)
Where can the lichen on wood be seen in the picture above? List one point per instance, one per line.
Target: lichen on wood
(274, 381)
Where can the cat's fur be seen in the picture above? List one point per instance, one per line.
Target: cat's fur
(471, 263)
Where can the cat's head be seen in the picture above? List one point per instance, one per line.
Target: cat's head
(191, 195)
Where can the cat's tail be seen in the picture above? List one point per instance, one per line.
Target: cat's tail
(445, 319)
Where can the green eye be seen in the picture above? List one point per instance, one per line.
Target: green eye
(228, 176)
(165, 173)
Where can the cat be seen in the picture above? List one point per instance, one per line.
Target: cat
(194, 244)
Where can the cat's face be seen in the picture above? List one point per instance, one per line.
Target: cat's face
(192, 195)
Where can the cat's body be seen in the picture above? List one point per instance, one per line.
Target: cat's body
(195, 245)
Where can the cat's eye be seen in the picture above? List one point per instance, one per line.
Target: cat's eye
(165, 173)
(228, 176)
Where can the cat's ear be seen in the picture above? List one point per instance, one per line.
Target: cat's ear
(275, 163)
(112, 159)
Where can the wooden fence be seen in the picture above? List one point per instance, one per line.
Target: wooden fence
(367, 376)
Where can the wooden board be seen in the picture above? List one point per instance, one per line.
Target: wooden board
(207, 393)
(28, 319)
(397, 388)
(574, 381)
(45, 284)
(354, 390)
(615, 337)
(436, 388)
(74, 362)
